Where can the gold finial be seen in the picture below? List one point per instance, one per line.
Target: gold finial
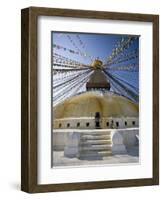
(97, 64)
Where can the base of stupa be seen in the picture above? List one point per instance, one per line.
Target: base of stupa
(96, 143)
(131, 157)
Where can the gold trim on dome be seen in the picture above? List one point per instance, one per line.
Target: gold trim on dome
(88, 103)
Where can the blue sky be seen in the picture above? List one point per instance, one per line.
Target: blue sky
(98, 46)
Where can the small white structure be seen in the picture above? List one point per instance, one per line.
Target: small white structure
(71, 147)
(118, 146)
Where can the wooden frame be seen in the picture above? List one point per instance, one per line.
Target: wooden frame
(29, 99)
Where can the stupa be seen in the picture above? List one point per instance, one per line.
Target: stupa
(97, 122)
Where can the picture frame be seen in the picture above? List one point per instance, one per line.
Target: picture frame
(29, 99)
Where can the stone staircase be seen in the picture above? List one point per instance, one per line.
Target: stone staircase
(94, 145)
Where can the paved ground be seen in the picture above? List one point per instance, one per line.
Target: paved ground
(131, 157)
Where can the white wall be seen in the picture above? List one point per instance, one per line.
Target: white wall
(10, 98)
(62, 123)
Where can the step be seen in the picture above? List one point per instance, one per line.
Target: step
(94, 155)
(96, 133)
(95, 137)
(95, 147)
(87, 142)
